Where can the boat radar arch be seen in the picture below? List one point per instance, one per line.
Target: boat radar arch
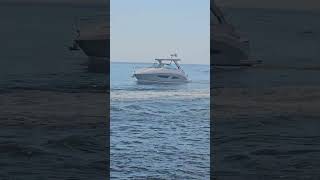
(175, 60)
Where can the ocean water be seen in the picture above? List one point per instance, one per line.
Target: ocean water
(265, 116)
(159, 131)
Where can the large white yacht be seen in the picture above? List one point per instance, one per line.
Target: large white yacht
(228, 47)
(93, 38)
(93, 35)
(164, 71)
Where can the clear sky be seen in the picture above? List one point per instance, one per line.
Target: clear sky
(142, 30)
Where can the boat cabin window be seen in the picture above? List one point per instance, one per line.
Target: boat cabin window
(164, 65)
(169, 66)
(163, 76)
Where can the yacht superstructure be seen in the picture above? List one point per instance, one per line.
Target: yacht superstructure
(164, 71)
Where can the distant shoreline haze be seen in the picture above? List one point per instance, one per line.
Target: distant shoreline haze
(153, 61)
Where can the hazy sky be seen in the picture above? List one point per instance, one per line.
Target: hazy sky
(142, 30)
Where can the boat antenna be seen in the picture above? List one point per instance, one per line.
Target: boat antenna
(173, 55)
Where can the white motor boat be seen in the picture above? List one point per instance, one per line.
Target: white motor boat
(163, 71)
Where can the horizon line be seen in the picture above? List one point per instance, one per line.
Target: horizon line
(139, 62)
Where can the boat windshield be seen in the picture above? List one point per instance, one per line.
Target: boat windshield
(169, 66)
(164, 65)
(156, 65)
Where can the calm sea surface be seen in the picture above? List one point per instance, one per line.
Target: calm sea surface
(159, 131)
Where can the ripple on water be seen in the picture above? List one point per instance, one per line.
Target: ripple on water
(160, 136)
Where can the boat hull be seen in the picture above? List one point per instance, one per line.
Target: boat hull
(161, 78)
(227, 46)
(98, 52)
(226, 52)
(95, 48)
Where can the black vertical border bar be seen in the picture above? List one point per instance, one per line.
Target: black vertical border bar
(108, 95)
(212, 164)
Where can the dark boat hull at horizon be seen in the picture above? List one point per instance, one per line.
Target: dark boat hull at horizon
(223, 53)
(98, 52)
(95, 48)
